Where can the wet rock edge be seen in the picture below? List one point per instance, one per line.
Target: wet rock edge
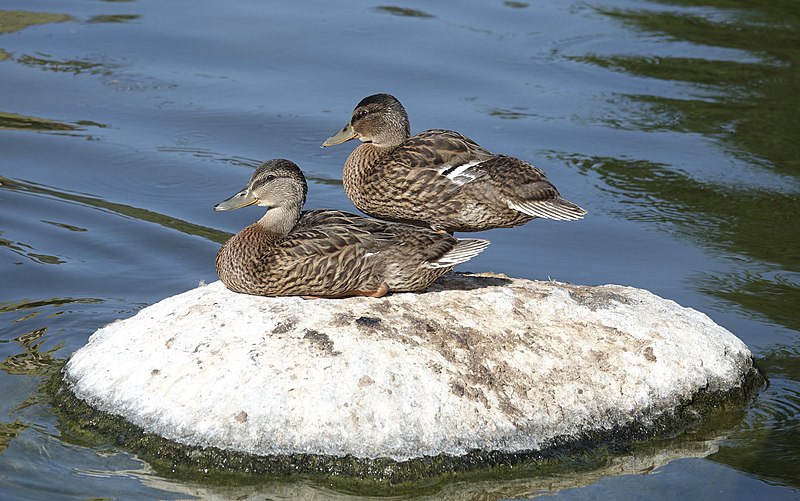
(168, 457)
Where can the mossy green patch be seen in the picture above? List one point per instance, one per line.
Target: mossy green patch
(706, 413)
(14, 20)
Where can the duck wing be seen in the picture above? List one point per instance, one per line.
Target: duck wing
(326, 232)
(339, 232)
(449, 167)
(442, 156)
(524, 188)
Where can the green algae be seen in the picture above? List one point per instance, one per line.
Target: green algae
(704, 416)
(13, 20)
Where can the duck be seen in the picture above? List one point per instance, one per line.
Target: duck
(439, 178)
(326, 253)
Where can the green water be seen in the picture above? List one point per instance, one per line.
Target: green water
(675, 124)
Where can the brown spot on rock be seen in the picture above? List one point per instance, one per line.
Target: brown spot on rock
(340, 320)
(321, 341)
(595, 298)
(241, 417)
(368, 321)
(649, 355)
(283, 327)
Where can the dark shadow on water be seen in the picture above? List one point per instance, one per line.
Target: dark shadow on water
(514, 114)
(403, 12)
(113, 18)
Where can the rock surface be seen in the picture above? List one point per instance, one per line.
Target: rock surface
(480, 362)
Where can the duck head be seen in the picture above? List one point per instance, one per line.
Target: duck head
(379, 119)
(275, 183)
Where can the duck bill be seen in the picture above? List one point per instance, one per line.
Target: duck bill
(343, 135)
(239, 200)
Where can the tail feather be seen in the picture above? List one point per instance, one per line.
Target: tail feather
(464, 250)
(558, 208)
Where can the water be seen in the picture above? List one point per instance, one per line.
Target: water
(673, 122)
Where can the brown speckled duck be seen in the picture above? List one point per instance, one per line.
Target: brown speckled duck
(439, 178)
(327, 253)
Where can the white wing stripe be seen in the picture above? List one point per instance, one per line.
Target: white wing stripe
(465, 249)
(548, 210)
(459, 174)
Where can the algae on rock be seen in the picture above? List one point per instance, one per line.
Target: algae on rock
(479, 369)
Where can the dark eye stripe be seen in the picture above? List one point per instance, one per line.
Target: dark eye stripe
(262, 181)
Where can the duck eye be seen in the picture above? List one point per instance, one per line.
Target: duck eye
(270, 178)
(362, 112)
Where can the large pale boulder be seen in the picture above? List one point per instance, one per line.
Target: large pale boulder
(477, 362)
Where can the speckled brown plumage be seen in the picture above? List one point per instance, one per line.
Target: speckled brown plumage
(439, 178)
(327, 253)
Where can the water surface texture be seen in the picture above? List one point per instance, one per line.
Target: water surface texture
(675, 123)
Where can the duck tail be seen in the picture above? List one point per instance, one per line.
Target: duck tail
(464, 250)
(558, 208)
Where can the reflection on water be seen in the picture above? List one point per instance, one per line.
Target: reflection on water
(509, 114)
(12, 20)
(71, 66)
(752, 109)
(503, 484)
(730, 220)
(767, 444)
(10, 431)
(23, 306)
(12, 121)
(403, 12)
(31, 361)
(125, 210)
(26, 251)
(753, 106)
(113, 18)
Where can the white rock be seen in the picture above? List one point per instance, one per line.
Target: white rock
(476, 362)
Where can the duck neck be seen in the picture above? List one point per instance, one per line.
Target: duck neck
(361, 163)
(279, 221)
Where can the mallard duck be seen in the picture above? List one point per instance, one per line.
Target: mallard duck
(327, 253)
(439, 178)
